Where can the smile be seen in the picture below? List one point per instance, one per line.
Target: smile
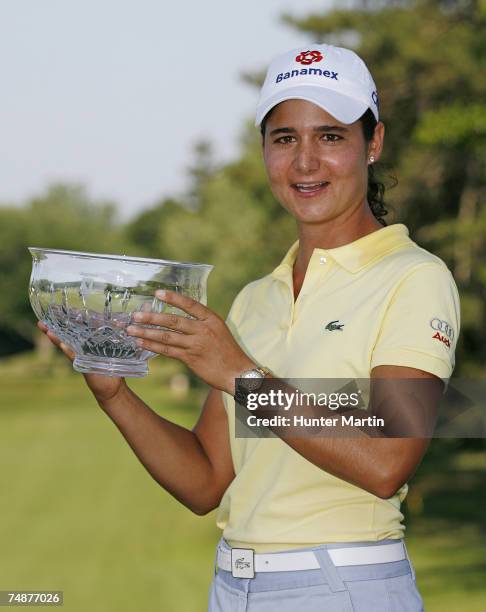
(310, 187)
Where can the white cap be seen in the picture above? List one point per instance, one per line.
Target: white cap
(334, 78)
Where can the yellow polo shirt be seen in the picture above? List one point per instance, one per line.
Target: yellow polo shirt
(391, 298)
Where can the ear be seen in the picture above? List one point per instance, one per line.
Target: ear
(375, 146)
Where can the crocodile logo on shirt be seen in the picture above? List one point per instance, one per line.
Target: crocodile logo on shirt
(334, 325)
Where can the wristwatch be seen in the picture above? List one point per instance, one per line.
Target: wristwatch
(247, 382)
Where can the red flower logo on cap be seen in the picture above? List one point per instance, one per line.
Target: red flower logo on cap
(309, 57)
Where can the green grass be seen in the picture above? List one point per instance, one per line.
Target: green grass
(450, 567)
(80, 514)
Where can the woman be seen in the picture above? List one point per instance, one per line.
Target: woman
(310, 523)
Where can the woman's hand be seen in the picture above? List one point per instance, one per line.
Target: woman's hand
(204, 343)
(103, 387)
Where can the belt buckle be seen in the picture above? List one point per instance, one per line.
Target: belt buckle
(243, 563)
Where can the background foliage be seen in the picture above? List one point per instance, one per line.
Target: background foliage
(426, 58)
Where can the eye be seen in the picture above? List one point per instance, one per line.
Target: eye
(285, 139)
(331, 137)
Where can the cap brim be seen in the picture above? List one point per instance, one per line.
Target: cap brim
(343, 108)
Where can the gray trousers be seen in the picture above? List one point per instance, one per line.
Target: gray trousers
(381, 587)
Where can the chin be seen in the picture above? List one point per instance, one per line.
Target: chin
(313, 213)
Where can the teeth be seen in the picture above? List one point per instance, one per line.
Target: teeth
(310, 185)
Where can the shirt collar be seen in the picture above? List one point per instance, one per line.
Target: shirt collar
(356, 255)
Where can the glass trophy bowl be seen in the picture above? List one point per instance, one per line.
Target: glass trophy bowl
(87, 300)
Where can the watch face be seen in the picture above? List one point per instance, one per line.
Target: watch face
(251, 380)
(249, 384)
(252, 374)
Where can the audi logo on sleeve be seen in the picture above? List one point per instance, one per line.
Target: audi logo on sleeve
(443, 327)
(444, 331)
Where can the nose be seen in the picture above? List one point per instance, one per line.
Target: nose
(306, 158)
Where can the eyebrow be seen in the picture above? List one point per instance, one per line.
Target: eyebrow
(321, 128)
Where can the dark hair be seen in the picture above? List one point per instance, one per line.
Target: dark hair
(376, 189)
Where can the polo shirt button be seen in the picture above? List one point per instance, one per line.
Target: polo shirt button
(284, 326)
(322, 260)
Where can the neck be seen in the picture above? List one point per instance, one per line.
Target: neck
(332, 234)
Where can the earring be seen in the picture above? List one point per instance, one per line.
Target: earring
(372, 159)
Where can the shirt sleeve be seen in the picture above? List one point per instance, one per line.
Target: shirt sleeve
(234, 314)
(231, 321)
(421, 323)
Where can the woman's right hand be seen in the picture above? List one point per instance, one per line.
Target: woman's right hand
(103, 387)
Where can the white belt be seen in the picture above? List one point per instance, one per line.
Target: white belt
(246, 560)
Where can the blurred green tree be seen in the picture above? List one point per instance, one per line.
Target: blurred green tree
(427, 58)
(64, 218)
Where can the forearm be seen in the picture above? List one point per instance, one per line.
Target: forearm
(368, 457)
(369, 463)
(171, 454)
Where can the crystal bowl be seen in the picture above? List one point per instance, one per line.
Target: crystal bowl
(87, 300)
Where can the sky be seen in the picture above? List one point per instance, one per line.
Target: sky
(114, 94)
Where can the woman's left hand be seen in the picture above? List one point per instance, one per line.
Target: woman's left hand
(204, 344)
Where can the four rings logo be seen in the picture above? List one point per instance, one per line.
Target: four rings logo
(309, 57)
(442, 326)
(444, 331)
